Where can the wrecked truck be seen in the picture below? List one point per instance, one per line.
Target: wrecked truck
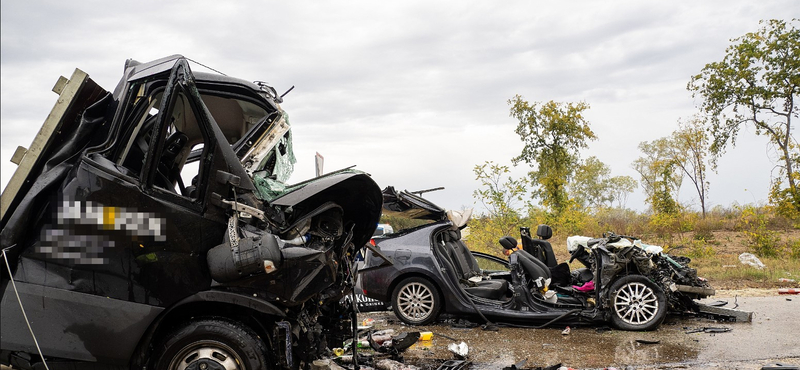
(152, 227)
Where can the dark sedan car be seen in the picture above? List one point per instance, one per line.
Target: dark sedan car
(424, 271)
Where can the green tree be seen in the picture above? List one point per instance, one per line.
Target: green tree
(553, 134)
(661, 177)
(757, 83)
(621, 187)
(593, 187)
(690, 151)
(500, 195)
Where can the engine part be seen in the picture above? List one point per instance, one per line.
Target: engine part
(237, 258)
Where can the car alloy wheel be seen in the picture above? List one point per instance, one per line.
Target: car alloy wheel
(637, 303)
(416, 301)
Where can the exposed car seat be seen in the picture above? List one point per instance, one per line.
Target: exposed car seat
(465, 267)
(168, 170)
(543, 251)
(533, 267)
(539, 248)
(191, 190)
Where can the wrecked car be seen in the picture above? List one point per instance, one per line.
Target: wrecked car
(152, 227)
(424, 271)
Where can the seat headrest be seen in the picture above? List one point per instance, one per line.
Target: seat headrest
(455, 235)
(508, 242)
(544, 231)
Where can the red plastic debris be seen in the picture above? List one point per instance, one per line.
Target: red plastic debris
(788, 291)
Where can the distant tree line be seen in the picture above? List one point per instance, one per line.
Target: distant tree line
(756, 84)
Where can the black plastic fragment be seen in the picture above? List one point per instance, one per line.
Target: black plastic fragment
(602, 329)
(454, 365)
(780, 366)
(707, 329)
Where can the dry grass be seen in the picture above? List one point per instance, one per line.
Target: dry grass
(726, 272)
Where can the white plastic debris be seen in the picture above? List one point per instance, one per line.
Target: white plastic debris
(752, 260)
(576, 241)
(387, 364)
(461, 350)
(622, 243)
(459, 218)
(649, 248)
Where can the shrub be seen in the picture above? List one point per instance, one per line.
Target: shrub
(763, 242)
(794, 249)
(701, 249)
(704, 229)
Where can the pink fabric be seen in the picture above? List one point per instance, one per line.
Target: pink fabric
(587, 287)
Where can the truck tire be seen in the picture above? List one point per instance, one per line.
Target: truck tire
(212, 344)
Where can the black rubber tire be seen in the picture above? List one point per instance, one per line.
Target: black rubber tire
(416, 301)
(219, 343)
(637, 304)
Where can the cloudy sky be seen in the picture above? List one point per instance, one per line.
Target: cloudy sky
(413, 92)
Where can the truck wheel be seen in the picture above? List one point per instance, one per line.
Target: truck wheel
(212, 344)
(637, 303)
(416, 301)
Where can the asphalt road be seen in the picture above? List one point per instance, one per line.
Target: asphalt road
(773, 336)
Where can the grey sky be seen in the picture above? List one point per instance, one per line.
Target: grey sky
(412, 92)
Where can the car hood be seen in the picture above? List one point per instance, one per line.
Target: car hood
(408, 205)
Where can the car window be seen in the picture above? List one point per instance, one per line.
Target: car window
(233, 116)
(490, 265)
(137, 134)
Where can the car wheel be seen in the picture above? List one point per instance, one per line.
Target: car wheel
(212, 344)
(416, 301)
(637, 303)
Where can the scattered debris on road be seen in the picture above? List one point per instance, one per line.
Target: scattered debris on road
(707, 329)
(461, 350)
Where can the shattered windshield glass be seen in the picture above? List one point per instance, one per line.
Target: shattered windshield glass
(270, 162)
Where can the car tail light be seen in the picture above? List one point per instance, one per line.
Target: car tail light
(372, 241)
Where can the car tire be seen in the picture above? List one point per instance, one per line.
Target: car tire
(212, 344)
(637, 303)
(416, 301)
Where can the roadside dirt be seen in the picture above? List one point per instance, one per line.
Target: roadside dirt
(747, 292)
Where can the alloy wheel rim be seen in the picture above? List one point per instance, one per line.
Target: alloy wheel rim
(636, 304)
(415, 301)
(208, 355)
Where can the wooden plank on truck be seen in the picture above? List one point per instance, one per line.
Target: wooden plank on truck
(63, 112)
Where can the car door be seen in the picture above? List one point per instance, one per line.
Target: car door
(123, 237)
